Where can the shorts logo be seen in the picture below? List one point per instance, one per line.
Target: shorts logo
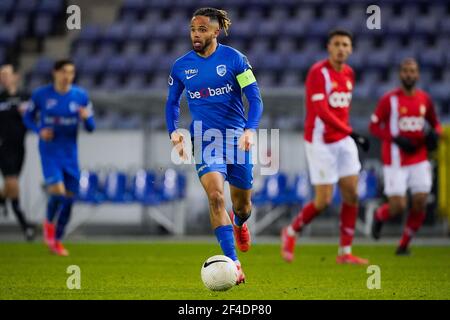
(340, 99)
(411, 124)
(221, 70)
(203, 167)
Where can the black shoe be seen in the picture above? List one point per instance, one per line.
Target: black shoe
(376, 228)
(30, 233)
(402, 251)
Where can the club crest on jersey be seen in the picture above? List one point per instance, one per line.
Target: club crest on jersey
(221, 70)
(50, 103)
(349, 85)
(422, 109)
(73, 107)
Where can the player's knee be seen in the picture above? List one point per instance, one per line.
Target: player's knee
(322, 203)
(351, 198)
(397, 208)
(419, 205)
(216, 199)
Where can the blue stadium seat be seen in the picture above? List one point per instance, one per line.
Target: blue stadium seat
(144, 188)
(367, 185)
(110, 82)
(377, 59)
(274, 191)
(20, 22)
(26, 6)
(43, 66)
(432, 57)
(439, 91)
(293, 28)
(399, 26)
(301, 190)
(43, 24)
(135, 82)
(291, 79)
(116, 33)
(425, 25)
(8, 36)
(139, 32)
(89, 188)
(115, 188)
(52, 7)
(269, 28)
(400, 55)
(7, 6)
(143, 64)
(93, 66)
(271, 61)
(90, 33)
(86, 81)
(118, 65)
(173, 185)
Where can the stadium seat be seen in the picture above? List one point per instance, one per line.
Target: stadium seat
(173, 186)
(52, 7)
(272, 192)
(301, 191)
(8, 36)
(367, 185)
(144, 188)
(43, 24)
(115, 188)
(89, 188)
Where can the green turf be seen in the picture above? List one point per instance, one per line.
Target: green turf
(172, 271)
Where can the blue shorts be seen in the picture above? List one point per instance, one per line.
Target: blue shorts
(234, 164)
(65, 171)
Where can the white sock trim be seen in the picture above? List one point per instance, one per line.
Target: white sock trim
(344, 250)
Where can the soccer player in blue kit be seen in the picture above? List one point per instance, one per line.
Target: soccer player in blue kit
(61, 106)
(214, 77)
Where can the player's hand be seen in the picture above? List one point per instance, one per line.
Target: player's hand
(84, 113)
(177, 139)
(405, 144)
(246, 140)
(360, 140)
(431, 139)
(46, 134)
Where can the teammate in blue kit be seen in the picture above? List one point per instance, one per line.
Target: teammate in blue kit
(214, 77)
(61, 106)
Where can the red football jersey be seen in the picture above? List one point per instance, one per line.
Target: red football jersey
(398, 114)
(328, 97)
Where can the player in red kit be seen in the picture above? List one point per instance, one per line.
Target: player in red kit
(331, 150)
(405, 120)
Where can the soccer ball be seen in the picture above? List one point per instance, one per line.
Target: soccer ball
(219, 273)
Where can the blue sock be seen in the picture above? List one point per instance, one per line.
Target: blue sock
(224, 235)
(63, 218)
(238, 221)
(54, 204)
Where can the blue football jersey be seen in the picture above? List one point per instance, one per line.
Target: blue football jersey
(60, 112)
(212, 90)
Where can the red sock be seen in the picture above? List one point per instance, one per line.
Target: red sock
(413, 223)
(383, 214)
(348, 221)
(304, 217)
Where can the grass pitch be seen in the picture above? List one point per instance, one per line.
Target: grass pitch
(172, 271)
